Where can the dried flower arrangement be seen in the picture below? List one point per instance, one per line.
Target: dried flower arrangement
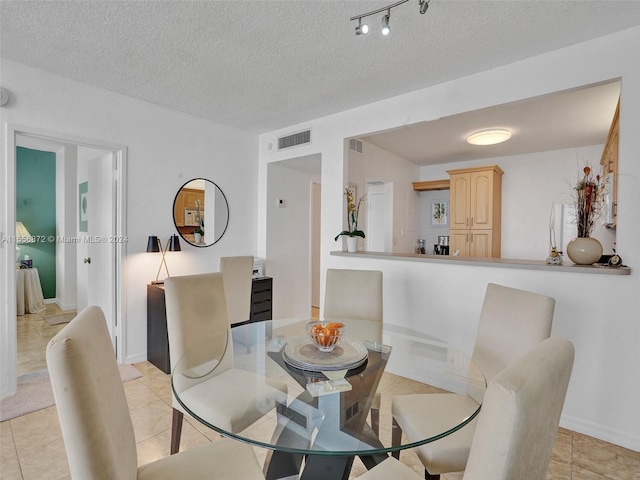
(590, 191)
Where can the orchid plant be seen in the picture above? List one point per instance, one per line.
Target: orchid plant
(353, 210)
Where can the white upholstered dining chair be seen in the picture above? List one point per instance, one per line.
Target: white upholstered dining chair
(357, 294)
(197, 311)
(96, 424)
(512, 321)
(237, 273)
(518, 421)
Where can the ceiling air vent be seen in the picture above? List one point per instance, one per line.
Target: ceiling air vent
(293, 140)
(355, 145)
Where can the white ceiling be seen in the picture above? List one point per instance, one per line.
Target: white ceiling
(570, 119)
(264, 65)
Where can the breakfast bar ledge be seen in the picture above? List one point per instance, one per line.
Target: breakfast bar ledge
(490, 262)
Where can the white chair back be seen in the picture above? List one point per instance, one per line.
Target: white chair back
(92, 407)
(512, 321)
(357, 295)
(519, 419)
(237, 273)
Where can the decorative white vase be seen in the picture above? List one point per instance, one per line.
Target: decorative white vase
(198, 237)
(584, 250)
(352, 244)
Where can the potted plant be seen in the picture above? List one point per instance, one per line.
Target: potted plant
(353, 210)
(589, 194)
(198, 232)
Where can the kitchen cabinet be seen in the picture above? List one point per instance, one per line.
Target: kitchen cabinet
(475, 208)
(609, 162)
(186, 200)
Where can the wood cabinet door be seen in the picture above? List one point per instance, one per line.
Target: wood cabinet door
(458, 240)
(459, 202)
(190, 197)
(480, 244)
(178, 209)
(481, 201)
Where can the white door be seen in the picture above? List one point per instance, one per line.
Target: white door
(375, 218)
(99, 261)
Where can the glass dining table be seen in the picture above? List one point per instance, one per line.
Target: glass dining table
(316, 411)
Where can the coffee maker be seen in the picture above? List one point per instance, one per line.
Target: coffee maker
(442, 247)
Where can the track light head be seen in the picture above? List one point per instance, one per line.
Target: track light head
(424, 6)
(385, 23)
(362, 29)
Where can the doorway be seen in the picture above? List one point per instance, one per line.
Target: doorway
(292, 234)
(116, 179)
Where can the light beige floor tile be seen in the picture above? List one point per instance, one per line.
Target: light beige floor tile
(563, 446)
(7, 445)
(35, 429)
(10, 469)
(138, 394)
(558, 470)
(579, 473)
(157, 447)
(47, 461)
(150, 420)
(609, 460)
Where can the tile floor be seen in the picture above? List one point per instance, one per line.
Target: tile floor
(31, 446)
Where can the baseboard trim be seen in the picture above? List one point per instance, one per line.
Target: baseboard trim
(601, 432)
(138, 358)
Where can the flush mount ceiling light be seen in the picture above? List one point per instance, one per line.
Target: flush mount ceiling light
(489, 136)
(362, 29)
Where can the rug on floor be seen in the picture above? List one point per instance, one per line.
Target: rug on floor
(60, 318)
(35, 393)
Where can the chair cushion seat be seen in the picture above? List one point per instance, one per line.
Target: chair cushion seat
(223, 459)
(234, 399)
(414, 415)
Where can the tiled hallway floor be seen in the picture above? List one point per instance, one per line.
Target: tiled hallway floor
(31, 446)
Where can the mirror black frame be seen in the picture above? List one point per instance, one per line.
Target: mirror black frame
(175, 223)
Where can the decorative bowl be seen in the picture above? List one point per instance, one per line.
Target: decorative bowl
(325, 335)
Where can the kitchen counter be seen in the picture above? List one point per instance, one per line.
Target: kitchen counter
(568, 266)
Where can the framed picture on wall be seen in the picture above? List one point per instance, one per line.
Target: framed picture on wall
(440, 213)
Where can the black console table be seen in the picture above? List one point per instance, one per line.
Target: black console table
(157, 338)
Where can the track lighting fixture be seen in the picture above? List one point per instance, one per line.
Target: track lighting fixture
(363, 28)
(385, 23)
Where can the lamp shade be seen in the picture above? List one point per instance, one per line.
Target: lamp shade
(174, 244)
(22, 234)
(152, 244)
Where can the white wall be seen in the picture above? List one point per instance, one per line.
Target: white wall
(377, 165)
(598, 313)
(530, 184)
(165, 149)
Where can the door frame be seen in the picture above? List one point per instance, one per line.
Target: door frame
(8, 327)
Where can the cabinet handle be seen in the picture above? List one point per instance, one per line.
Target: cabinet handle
(466, 222)
(471, 241)
(472, 221)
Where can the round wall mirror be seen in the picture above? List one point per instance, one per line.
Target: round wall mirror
(200, 212)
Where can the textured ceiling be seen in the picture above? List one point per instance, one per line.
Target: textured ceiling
(263, 65)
